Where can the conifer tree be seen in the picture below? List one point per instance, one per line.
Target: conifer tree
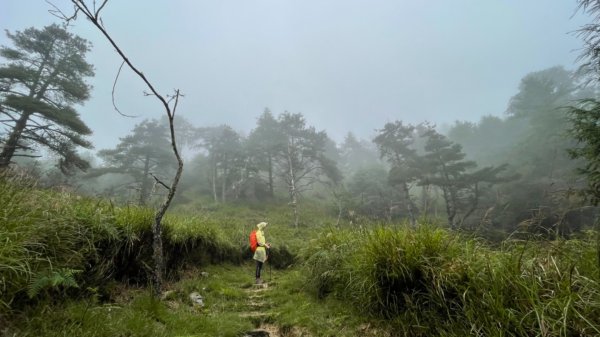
(444, 165)
(396, 144)
(225, 152)
(263, 144)
(141, 154)
(41, 82)
(301, 157)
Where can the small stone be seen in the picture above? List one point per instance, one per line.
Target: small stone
(197, 299)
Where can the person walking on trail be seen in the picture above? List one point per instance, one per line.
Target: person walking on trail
(260, 254)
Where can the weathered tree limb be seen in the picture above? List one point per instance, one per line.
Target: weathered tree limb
(93, 15)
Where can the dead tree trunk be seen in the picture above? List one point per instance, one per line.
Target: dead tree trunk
(93, 14)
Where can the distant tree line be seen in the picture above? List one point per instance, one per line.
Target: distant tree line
(522, 169)
(497, 174)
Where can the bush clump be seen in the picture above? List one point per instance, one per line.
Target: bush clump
(429, 281)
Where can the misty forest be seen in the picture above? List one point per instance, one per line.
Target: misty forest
(475, 227)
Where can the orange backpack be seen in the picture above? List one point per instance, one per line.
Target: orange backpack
(253, 241)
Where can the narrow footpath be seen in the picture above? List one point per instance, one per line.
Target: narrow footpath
(259, 311)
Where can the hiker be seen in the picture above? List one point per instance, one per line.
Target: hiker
(260, 254)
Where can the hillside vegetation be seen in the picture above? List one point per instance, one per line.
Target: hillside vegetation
(63, 254)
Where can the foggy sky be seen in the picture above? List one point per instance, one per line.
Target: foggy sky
(347, 65)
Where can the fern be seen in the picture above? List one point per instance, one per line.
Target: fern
(51, 279)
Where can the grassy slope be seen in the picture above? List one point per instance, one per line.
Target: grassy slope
(426, 282)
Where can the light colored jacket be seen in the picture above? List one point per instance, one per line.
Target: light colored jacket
(260, 254)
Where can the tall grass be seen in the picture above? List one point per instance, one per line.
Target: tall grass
(57, 243)
(429, 281)
(43, 231)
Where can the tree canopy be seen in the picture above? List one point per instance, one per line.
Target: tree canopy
(40, 84)
(141, 154)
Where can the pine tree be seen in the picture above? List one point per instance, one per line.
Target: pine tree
(263, 144)
(301, 157)
(39, 85)
(462, 185)
(225, 152)
(396, 143)
(145, 152)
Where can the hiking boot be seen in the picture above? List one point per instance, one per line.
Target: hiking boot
(259, 281)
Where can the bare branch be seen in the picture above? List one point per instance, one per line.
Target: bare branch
(60, 14)
(177, 95)
(27, 155)
(82, 6)
(160, 181)
(113, 92)
(100, 8)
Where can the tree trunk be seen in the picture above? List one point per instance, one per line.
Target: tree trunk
(295, 208)
(450, 209)
(454, 208)
(409, 205)
(474, 204)
(214, 180)
(425, 201)
(271, 193)
(157, 247)
(338, 201)
(13, 140)
(449, 197)
(224, 185)
(144, 186)
(292, 187)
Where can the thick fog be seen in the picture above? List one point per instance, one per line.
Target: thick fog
(347, 66)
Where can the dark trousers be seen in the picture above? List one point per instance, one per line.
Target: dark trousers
(259, 266)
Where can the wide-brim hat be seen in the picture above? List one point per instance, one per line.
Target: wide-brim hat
(262, 225)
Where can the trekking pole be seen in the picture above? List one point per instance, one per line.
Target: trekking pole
(270, 270)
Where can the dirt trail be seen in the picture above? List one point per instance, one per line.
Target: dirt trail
(258, 311)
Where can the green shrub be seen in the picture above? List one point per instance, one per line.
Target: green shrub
(428, 281)
(326, 260)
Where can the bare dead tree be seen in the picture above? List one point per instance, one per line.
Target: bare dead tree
(169, 103)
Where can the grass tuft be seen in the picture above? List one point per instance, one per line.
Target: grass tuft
(418, 279)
